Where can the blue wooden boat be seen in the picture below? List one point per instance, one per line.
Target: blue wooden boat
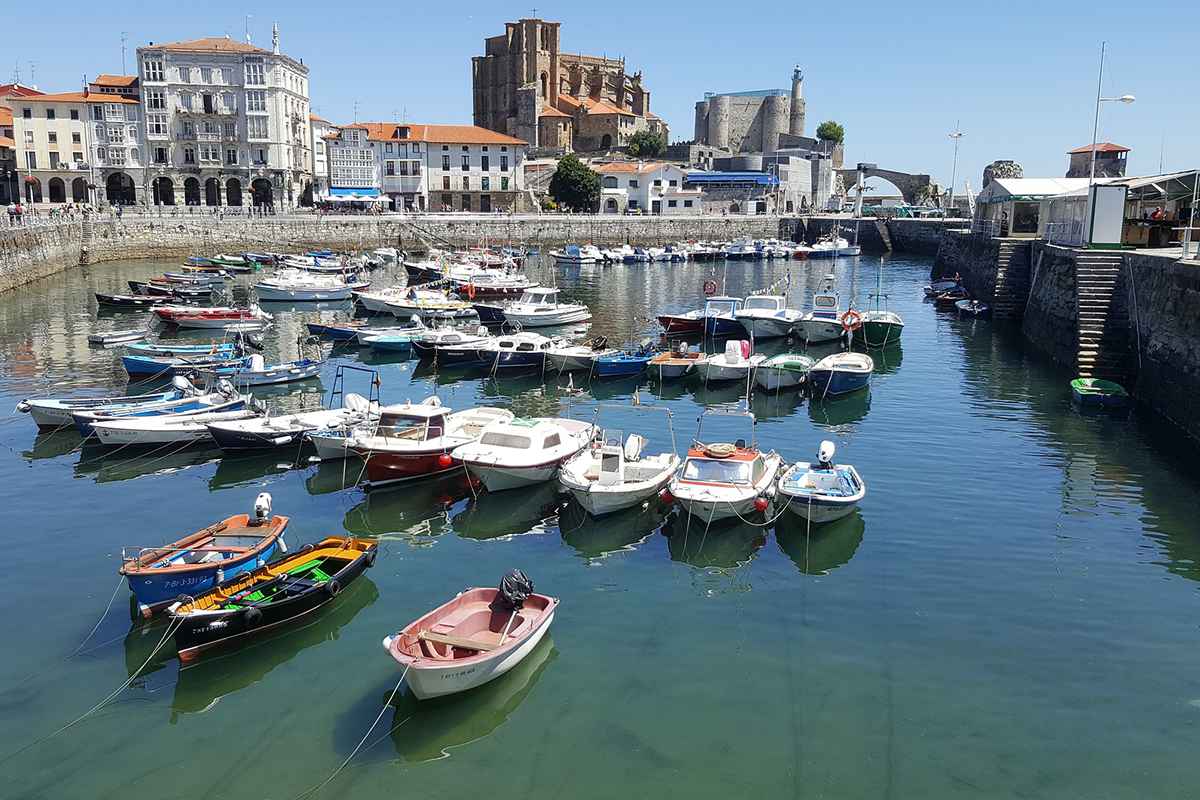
(255, 371)
(173, 365)
(225, 399)
(341, 332)
(840, 373)
(226, 350)
(622, 364)
(158, 576)
(489, 314)
(52, 413)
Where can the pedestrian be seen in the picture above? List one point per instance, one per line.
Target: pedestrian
(12, 213)
(119, 211)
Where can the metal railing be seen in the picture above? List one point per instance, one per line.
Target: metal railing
(985, 227)
(1069, 234)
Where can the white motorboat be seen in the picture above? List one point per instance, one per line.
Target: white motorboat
(833, 246)
(577, 254)
(743, 248)
(608, 477)
(840, 373)
(426, 344)
(524, 452)
(264, 433)
(387, 254)
(783, 371)
(822, 491)
(223, 397)
(297, 285)
(376, 301)
(540, 307)
(721, 480)
(564, 357)
(766, 316)
(824, 322)
(168, 429)
(735, 363)
(255, 371)
(523, 351)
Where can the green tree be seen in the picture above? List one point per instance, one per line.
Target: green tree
(574, 185)
(830, 131)
(647, 144)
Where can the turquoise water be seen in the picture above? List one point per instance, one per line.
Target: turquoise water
(1011, 613)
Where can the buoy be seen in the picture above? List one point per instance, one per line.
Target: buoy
(666, 496)
(445, 461)
(761, 503)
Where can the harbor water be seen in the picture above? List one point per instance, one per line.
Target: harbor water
(1011, 613)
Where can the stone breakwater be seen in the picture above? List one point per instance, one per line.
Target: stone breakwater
(29, 253)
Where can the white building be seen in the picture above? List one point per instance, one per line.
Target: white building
(227, 123)
(648, 188)
(319, 129)
(428, 167)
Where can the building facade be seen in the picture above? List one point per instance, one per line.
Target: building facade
(1110, 161)
(524, 86)
(421, 167)
(646, 188)
(751, 122)
(9, 191)
(226, 123)
(319, 129)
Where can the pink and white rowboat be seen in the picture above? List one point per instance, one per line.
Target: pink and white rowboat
(221, 317)
(466, 643)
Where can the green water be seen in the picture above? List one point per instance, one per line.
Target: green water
(1012, 613)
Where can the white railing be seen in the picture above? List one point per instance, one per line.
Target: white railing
(1069, 234)
(985, 227)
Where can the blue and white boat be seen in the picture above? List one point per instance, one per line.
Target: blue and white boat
(520, 352)
(157, 576)
(840, 373)
(225, 398)
(166, 366)
(821, 491)
(255, 371)
(52, 413)
(225, 350)
(720, 316)
(622, 364)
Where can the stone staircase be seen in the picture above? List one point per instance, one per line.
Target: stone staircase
(884, 234)
(1102, 324)
(1012, 280)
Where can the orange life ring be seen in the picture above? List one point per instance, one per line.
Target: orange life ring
(470, 291)
(851, 320)
(710, 288)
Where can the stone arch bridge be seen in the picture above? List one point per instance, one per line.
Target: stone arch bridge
(911, 186)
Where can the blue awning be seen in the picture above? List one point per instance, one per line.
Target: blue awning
(365, 191)
(710, 178)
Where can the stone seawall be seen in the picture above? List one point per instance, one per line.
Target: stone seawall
(1050, 322)
(27, 254)
(973, 258)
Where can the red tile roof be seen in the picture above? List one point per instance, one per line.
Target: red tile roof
(1101, 147)
(7, 142)
(436, 134)
(629, 167)
(218, 44)
(17, 90)
(551, 111)
(315, 118)
(123, 81)
(79, 97)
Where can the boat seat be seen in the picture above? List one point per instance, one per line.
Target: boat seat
(456, 641)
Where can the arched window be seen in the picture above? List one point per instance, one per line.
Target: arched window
(610, 182)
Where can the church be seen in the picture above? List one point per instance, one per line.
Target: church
(557, 102)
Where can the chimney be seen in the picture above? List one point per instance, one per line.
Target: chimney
(275, 38)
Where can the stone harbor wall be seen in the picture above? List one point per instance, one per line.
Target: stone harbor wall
(923, 236)
(33, 252)
(1050, 323)
(973, 258)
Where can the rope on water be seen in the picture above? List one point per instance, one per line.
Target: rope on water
(387, 703)
(96, 627)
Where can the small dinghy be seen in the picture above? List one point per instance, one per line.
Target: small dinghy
(189, 317)
(1098, 393)
(117, 337)
(52, 413)
(223, 397)
(675, 364)
(147, 367)
(270, 596)
(937, 287)
(226, 350)
(972, 308)
(130, 300)
(608, 477)
(840, 373)
(734, 364)
(623, 363)
(784, 371)
(199, 561)
(255, 371)
(266, 433)
(475, 638)
(821, 491)
(563, 357)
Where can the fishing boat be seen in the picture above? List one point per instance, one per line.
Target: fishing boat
(182, 364)
(222, 398)
(211, 280)
(766, 316)
(742, 249)
(840, 373)
(187, 317)
(972, 308)
(475, 638)
(157, 576)
(577, 254)
(176, 429)
(608, 476)
(524, 452)
(226, 350)
(540, 307)
(416, 440)
(821, 491)
(735, 363)
(950, 297)
(291, 285)
(824, 322)
(268, 597)
(623, 363)
(938, 287)
(52, 413)
(513, 353)
(449, 344)
(232, 262)
(177, 290)
(117, 337)
(387, 254)
(255, 371)
(720, 316)
(130, 300)
(783, 371)
(269, 432)
(881, 327)
(339, 331)
(675, 363)
(1098, 393)
(723, 480)
(564, 357)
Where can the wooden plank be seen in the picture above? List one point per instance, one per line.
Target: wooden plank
(456, 641)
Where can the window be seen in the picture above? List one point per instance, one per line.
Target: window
(160, 155)
(387, 148)
(672, 203)
(231, 156)
(226, 75)
(228, 101)
(256, 100)
(52, 137)
(206, 75)
(254, 72)
(485, 184)
(209, 128)
(97, 112)
(49, 113)
(608, 182)
(209, 153)
(658, 183)
(466, 184)
(133, 133)
(185, 101)
(466, 202)
(113, 112)
(208, 103)
(445, 161)
(483, 162)
(156, 100)
(27, 113)
(633, 184)
(389, 167)
(673, 183)
(156, 124)
(152, 69)
(75, 113)
(31, 160)
(189, 130)
(28, 137)
(189, 155)
(116, 133)
(466, 149)
(229, 129)
(77, 156)
(687, 203)
(633, 203)
(504, 184)
(260, 155)
(53, 159)
(504, 163)
(403, 168)
(185, 74)
(116, 155)
(466, 161)
(445, 181)
(256, 127)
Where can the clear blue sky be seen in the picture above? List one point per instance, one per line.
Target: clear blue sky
(1020, 76)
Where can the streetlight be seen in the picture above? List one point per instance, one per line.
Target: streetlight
(1126, 99)
(958, 134)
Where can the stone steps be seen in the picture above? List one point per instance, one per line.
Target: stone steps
(1102, 334)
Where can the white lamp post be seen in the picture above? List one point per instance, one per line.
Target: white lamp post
(1126, 99)
(958, 134)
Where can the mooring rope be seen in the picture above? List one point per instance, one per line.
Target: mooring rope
(96, 627)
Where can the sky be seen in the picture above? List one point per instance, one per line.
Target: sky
(1018, 78)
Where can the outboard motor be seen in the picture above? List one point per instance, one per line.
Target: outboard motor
(226, 388)
(183, 385)
(262, 509)
(515, 588)
(825, 455)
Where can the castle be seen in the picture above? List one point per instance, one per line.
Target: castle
(752, 122)
(524, 86)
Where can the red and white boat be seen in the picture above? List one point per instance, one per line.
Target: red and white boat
(722, 480)
(218, 317)
(475, 638)
(415, 440)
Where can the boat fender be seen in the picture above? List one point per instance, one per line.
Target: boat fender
(252, 617)
(308, 548)
(761, 504)
(851, 320)
(221, 574)
(333, 587)
(371, 555)
(282, 545)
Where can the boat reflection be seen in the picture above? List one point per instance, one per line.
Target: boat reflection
(596, 537)
(823, 548)
(285, 306)
(417, 508)
(725, 545)
(887, 359)
(110, 467)
(141, 641)
(493, 515)
(435, 727)
(53, 444)
(775, 405)
(834, 411)
(248, 468)
(334, 476)
(203, 684)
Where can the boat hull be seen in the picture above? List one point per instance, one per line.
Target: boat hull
(720, 509)
(384, 467)
(713, 373)
(723, 326)
(820, 330)
(880, 334)
(773, 378)
(499, 478)
(680, 325)
(830, 382)
(819, 511)
(155, 592)
(766, 328)
(548, 320)
(271, 293)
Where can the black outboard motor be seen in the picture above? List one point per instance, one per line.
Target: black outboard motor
(515, 588)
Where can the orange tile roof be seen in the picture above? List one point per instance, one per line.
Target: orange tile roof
(437, 134)
(7, 142)
(315, 118)
(219, 44)
(601, 107)
(115, 80)
(629, 166)
(17, 90)
(1101, 147)
(551, 111)
(5, 115)
(570, 101)
(79, 97)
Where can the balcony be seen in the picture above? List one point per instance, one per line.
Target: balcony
(214, 112)
(402, 183)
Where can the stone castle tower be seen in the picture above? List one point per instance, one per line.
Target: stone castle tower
(751, 122)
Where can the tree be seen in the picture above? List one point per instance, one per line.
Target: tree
(574, 185)
(647, 144)
(830, 131)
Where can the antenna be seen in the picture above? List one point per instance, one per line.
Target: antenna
(124, 36)
(33, 74)
(247, 27)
